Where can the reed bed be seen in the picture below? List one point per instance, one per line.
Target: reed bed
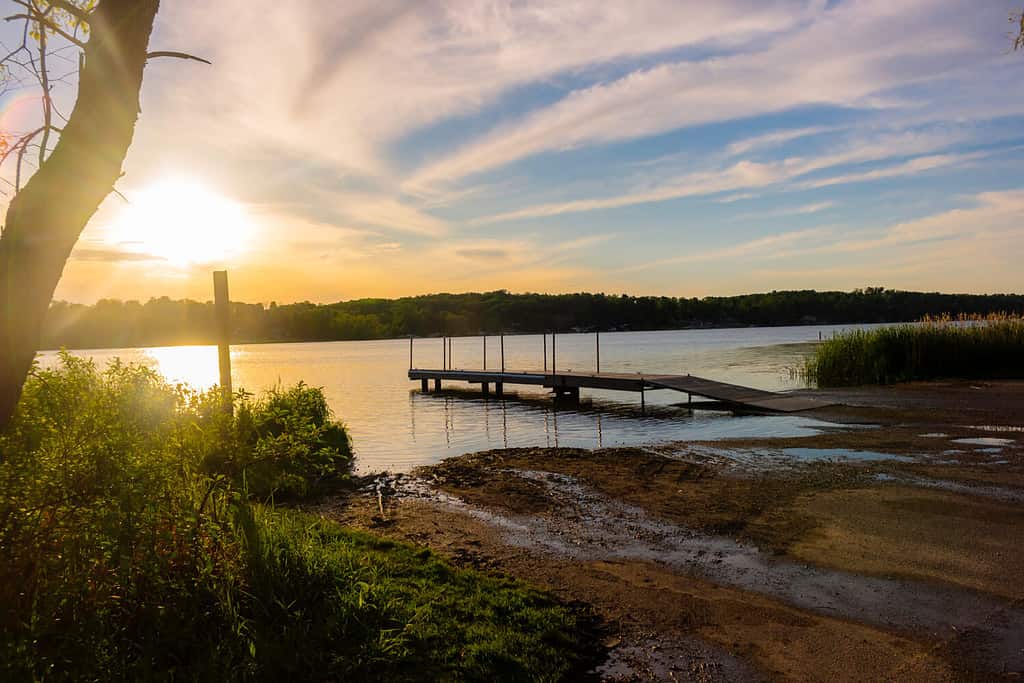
(989, 346)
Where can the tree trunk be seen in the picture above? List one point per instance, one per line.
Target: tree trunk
(46, 217)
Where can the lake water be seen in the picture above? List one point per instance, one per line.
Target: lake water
(396, 427)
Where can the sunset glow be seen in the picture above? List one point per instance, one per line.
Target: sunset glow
(657, 147)
(183, 223)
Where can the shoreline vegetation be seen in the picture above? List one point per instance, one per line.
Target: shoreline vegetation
(965, 347)
(161, 321)
(144, 538)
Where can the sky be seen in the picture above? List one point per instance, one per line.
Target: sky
(386, 148)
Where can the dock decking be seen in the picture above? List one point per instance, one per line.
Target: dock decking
(732, 396)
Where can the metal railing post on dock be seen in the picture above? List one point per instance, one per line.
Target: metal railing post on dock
(485, 352)
(451, 353)
(444, 352)
(410, 352)
(222, 308)
(545, 337)
(598, 341)
(502, 341)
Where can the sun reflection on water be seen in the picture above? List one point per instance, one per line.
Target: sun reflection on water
(192, 365)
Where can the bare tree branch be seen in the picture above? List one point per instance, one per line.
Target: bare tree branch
(176, 55)
(44, 83)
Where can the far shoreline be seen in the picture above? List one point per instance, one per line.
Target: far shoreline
(481, 334)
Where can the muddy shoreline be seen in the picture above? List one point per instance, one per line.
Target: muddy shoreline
(885, 547)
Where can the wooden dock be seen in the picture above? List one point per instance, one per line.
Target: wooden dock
(568, 384)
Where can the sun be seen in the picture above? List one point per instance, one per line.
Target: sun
(184, 223)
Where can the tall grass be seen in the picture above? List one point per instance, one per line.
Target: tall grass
(967, 347)
(136, 544)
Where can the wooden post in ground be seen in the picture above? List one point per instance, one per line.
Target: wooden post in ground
(222, 308)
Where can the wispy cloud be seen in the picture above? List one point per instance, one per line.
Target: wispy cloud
(801, 210)
(762, 248)
(111, 255)
(746, 175)
(868, 53)
(910, 167)
(774, 139)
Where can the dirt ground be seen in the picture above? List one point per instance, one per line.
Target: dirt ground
(749, 560)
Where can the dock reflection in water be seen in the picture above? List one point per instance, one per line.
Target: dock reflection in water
(465, 422)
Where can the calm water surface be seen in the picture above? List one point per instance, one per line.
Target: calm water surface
(394, 426)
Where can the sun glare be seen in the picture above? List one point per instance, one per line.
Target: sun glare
(183, 223)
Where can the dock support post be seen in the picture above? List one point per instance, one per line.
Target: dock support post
(597, 340)
(485, 387)
(499, 388)
(222, 307)
(553, 371)
(643, 401)
(437, 384)
(423, 385)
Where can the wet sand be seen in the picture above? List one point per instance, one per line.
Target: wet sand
(884, 548)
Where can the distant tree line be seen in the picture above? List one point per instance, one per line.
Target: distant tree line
(162, 321)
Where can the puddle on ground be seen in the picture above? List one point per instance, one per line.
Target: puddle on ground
(657, 657)
(592, 527)
(826, 454)
(995, 428)
(985, 441)
(1002, 493)
(762, 459)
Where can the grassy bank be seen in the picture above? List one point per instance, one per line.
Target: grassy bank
(987, 347)
(140, 540)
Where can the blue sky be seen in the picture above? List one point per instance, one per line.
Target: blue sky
(651, 147)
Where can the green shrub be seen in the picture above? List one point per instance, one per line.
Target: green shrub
(130, 550)
(936, 348)
(283, 444)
